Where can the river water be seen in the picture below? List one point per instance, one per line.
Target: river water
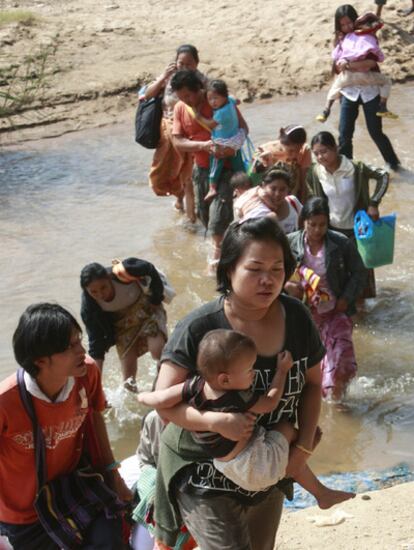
(84, 197)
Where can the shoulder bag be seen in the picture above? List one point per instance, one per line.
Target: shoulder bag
(148, 122)
(68, 504)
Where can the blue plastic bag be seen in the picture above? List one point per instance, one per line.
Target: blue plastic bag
(247, 152)
(375, 240)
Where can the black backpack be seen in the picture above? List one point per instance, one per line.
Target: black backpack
(148, 122)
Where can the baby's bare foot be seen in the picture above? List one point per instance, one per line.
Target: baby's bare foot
(330, 497)
(210, 195)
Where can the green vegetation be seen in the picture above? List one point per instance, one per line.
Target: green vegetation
(26, 82)
(17, 16)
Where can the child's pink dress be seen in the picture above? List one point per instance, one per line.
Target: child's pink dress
(357, 47)
(354, 47)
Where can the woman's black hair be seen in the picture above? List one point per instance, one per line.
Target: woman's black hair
(186, 79)
(218, 86)
(43, 330)
(315, 206)
(324, 138)
(294, 134)
(188, 48)
(276, 174)
(346, 10)
(92, 272)
(238, 236)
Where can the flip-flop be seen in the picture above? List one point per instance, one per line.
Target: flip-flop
(387, 114)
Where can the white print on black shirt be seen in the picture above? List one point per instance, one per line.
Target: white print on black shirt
(207, 477)
(293, 388)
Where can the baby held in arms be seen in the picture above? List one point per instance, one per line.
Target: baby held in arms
(225, 132)
(224, 382)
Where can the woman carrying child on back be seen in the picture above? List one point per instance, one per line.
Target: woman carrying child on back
(122, 305)
(351, 47)
(291, 149)
(225, 131)
(271, 198)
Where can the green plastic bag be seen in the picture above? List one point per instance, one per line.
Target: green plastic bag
(375, 240)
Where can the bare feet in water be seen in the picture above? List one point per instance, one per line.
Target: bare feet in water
(179, 204)
(130, 384)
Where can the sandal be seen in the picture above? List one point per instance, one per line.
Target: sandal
(323, 117)
(387, 114)
(130, 384)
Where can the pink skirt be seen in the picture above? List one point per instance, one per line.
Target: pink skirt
(339, 364)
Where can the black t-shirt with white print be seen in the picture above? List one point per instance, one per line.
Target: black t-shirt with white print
(301, 339)
(215, 444)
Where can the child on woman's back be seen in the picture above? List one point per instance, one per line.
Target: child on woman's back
(240, 182)
(358, 42)
(225, 362)
(291, 149)
(225, 131)
(271, 198)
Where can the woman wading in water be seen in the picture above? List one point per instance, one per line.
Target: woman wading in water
(119, 307)
(255, 263)
(170, 172)
(331, 276)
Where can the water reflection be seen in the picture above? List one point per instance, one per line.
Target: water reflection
(84, 197)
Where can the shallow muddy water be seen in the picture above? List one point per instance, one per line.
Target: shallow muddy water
(84, 197)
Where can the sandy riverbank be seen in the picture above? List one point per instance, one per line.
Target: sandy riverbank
(384, 521)
(107, 49)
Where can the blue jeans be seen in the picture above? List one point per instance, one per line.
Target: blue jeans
(103, 534)
(349, 114)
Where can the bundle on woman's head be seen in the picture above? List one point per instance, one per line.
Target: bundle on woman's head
(294, 134)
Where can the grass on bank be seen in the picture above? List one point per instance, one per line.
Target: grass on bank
(17, 16)
(25, 82)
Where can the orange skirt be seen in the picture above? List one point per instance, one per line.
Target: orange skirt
(170, 169)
